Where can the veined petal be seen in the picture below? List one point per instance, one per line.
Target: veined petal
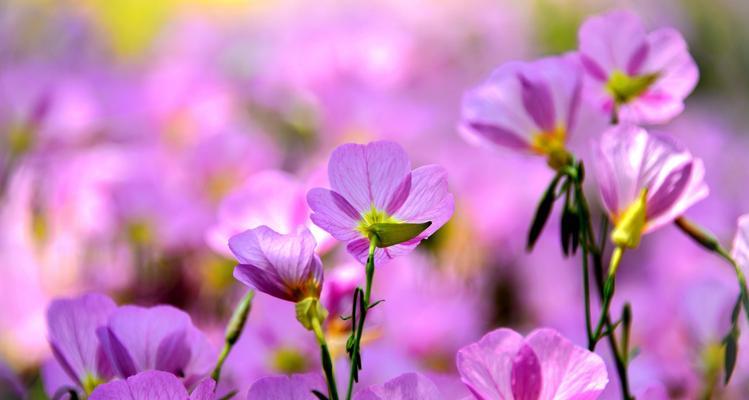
(149, 385)
(72, 325)
(367, 175)
(526, 379)
(333, 213)
(295, 387)
(409, 386)
(568, 371)
(281, 265)
(485, 366)
(428, 200)
(609, 41)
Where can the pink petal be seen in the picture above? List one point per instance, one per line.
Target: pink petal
(740, 250)
(429, 199)
(609, 41)
(367, 175)
(486, 366)
(409, 386)
(334, 214)
(296, 387)
(150, 385)
(526, 377)
(569, 371)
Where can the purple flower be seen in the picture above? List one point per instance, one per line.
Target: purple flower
(644, 76)
(72, 325)
(527, 106)
(160, 338)
(152, 385)
(410, 386)
(283, 266)
(646, 181)
(374, 184)
(543, 365)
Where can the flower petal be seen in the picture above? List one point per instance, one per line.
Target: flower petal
(333, 213)
(429, 199)
(568, 371)
(526, 377)
(367, 175)
(485, 366)
(295, 387)
(72, 325)
(149, 385)
(609, 41)
(409, 386)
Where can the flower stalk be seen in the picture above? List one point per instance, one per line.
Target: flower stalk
(354, 348)
(233, 332)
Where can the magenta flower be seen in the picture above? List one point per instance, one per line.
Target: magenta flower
(72, 325)
(543, 365)
(374, 184)
(409, 386)
(153, 385)
(646, 181)
(643, 76)
(160, 338)
(283, 266)
(527, 106)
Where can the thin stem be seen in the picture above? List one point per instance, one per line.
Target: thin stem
(327, 362)
(586, 293)
(608, 292)
(233, 331)
(356, 350)
(710, 242)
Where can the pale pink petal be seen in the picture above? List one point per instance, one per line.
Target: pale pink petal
(409, 386)
(295, 387)
(486, 366)
(569, 371)
(150, 385)
(334, 214)
(609, 41)
(429, 199)
(367, 175)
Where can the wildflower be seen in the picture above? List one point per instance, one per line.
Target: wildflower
(527, 106)
(543, 365)
(376, 196)
(646, 181)
(642, 77)
(152, 385)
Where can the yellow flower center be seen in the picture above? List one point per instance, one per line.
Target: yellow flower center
(289, 360)
(629, 225)
(551, 145)
(371, 217)
(625, 88)
(90, 382)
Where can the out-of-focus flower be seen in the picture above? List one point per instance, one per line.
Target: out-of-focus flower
(153, 385)
(72, 326)
(409, 386)
(373, 184)
(740, 251)
(646, 181)
(283, 266)
(527, 106)
(163, 338)
(543, 365)
(643, 77)
(284, 209)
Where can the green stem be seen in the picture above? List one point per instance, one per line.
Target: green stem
(233, 331)
(356, 352)
(711, 243)
(608, 292)
(586, 292)
(327, 362)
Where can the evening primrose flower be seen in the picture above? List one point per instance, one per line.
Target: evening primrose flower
(543, 365)
(72, 325)
(646, 181)
(373, 186)
(527, 106)
(153, 385)
(283, 266)
(642, 77)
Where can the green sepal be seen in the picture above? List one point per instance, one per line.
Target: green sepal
(310, 309)
(625, 88)
(387, 234)
(731, 344)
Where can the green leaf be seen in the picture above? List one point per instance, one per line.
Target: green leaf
(732, 348)
(319, 395)
(543, 210)
(388, 234)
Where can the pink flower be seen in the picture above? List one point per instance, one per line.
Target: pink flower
(740, 251)
(283, 266)
(526, 106)
(646, 76)
(374, 184)
(153, 385)
(646, 181)
(543, 365)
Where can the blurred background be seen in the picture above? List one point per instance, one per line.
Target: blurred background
(136, 136)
